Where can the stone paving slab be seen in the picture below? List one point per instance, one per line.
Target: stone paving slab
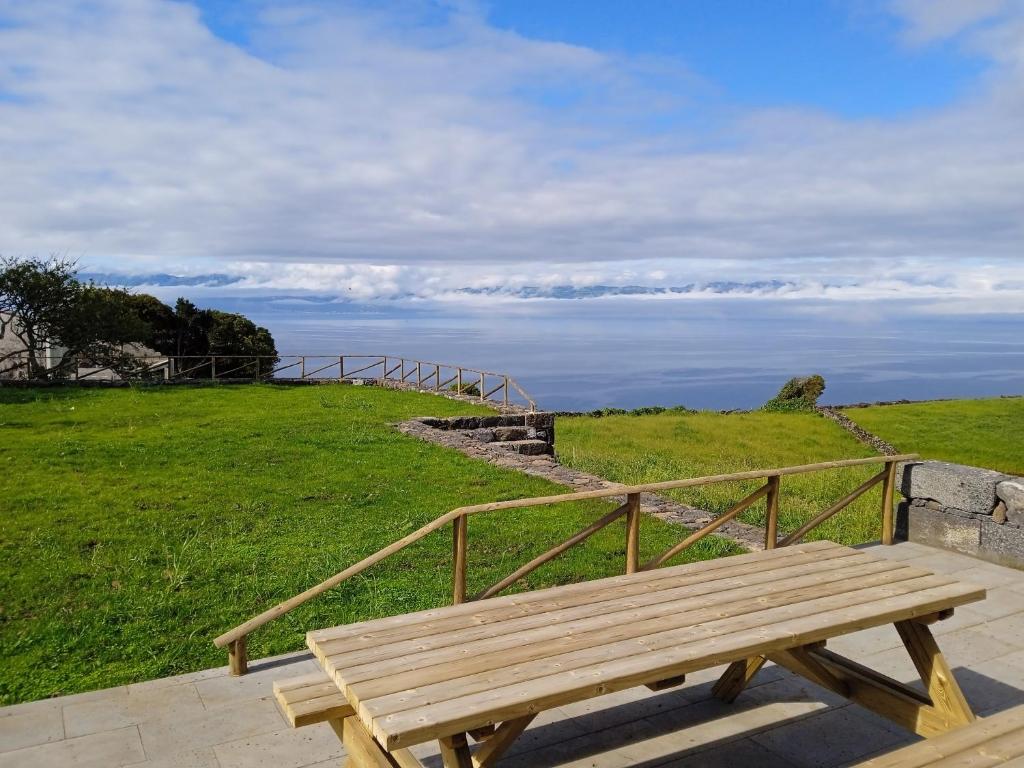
(208, 719)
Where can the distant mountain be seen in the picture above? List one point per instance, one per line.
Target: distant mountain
(214, 280)
(595, 291)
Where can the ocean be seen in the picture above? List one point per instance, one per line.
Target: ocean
(626, 353)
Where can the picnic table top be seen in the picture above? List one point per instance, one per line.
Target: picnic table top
(426, 675)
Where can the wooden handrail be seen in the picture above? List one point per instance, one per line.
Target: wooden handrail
(235, 638)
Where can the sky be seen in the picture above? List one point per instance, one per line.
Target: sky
(465, 152)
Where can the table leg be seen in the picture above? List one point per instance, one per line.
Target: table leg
(736, 677)
(943, 689)
(455, 751)
(362, 750)
(941, 709)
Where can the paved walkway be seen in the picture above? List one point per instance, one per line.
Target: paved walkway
(211, 720)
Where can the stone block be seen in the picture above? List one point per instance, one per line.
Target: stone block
(540, 420)
(952, 485)
(489, 422)
(464, 422)
(484, 435)
(529, 447)
(1011, 493)
(1003, 544)
(511, 433)
(960, 533)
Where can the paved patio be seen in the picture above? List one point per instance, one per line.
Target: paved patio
(210, 720)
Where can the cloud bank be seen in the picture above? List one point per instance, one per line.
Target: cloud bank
(425, 153)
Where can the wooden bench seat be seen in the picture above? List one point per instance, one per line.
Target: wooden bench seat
(311, 699)
(995, 740)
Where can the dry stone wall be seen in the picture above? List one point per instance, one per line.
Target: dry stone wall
(972, 510)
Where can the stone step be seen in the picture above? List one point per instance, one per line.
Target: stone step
(505, 434)
(527, 447)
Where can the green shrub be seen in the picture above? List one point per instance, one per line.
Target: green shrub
(800, 393)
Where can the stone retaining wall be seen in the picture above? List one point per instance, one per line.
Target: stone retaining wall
(967, 509)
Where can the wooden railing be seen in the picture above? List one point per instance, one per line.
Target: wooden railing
(235, 639)
(485, 386)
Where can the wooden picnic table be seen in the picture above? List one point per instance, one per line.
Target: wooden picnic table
(484, 670)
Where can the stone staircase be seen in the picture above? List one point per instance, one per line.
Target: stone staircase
(529, 434)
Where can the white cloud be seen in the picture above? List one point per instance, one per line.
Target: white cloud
(343, 139)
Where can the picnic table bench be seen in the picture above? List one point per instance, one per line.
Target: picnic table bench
(989, 741)
(483, 670)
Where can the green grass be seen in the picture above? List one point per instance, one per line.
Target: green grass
(139, 524)
(643, 449)
(982, 433)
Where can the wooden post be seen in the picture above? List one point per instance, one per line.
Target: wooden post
(302, 368)
(341, 368)
(213, 367)
(506, 391)
(771, 525)
(419, 375)
(459, 384)
(633, 533)
(460, 529)
(384, 376)
(483, 392)
(437, 378)
(238, 661)
(888, 498)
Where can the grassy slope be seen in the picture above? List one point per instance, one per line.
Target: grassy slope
(640, 449)
(139, 524)
(984, 433)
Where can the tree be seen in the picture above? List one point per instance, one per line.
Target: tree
(49, 312)
(800, 393)
(237, 335)
(36, 298)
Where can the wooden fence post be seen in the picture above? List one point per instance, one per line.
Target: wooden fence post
(238, 660)
(888, 499)
(771, 525)
(483, 391)
(460, 530)
(633, 533)
(419, 375)
(459, 385)
(506, 391)
(213, 366)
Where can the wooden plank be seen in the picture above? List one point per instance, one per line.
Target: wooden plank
(776, 629)
(935, 673)
(956, 747)
(376, 679)
(484, 672)
(412, 654)
(311, 699)
(375, 632)
(736, 677)
(408, 652)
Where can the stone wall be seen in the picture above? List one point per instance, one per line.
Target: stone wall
(967, 509)
(531, 434)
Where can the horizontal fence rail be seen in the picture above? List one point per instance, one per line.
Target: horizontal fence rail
(485, 386)
(235, 639)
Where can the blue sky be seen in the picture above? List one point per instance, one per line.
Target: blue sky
(415, 149)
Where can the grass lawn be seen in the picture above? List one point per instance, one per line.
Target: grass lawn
(982, 433)
(139, 524)
(642, 449)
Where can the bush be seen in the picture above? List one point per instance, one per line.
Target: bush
(800, 393)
